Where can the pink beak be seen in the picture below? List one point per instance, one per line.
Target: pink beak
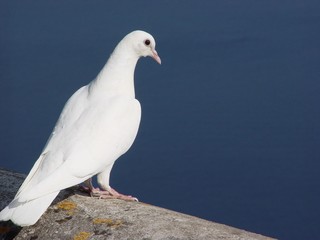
(155, 56)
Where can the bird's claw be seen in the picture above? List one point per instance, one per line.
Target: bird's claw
(108, 194)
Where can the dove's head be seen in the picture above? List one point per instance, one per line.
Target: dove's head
(143, 44)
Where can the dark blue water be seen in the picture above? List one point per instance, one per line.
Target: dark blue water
(230, 129)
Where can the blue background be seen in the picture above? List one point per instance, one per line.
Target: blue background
(230, 130)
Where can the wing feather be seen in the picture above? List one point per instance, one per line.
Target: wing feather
(78, 151)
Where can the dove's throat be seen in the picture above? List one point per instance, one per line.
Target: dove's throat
(117, 76)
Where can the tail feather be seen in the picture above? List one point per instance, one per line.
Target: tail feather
(27, 213)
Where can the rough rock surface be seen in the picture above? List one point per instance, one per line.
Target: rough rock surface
(74, 215)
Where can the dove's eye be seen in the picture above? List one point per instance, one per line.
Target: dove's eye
(147, 42)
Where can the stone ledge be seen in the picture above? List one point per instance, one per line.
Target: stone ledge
(79, 217)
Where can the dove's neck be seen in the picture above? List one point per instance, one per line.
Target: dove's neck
(117, 76)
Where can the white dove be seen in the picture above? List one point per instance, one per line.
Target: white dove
(97, 125)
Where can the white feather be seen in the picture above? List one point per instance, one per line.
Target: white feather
(97, 125)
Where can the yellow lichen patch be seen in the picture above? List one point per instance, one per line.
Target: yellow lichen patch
(67, 206)
(82, 236)
(4, 229)
(109, 222)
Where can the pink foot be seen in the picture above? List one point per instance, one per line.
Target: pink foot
(108, 194)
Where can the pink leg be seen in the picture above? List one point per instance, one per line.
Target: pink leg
(106, 194)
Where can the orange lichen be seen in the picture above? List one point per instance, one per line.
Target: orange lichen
(82, 236)
(109, 222)
(67, 206)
